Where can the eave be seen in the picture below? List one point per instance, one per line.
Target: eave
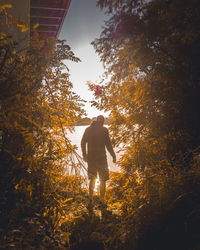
(50, 15)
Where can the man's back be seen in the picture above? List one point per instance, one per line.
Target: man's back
(96, 137)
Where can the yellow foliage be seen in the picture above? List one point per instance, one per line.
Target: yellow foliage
(67, 200)
(2, 35)
(24, 27)
(67, 237)
(35, 26)
(5, 6)
(116, 205)
(30, 189)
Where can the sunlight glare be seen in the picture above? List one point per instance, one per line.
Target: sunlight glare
(97, 184)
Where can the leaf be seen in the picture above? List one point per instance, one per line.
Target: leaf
(35, 26)
(2, 35)
(24, 27)
(67, 200)
(3, 7)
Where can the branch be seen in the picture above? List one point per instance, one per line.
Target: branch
(78, 157)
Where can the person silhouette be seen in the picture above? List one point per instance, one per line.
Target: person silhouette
(97, 139)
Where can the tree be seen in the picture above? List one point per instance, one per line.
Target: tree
(37, 104)
(151, 50)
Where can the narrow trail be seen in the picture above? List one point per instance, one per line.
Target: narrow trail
(94, 229)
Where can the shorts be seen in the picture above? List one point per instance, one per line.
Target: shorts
(101, 168)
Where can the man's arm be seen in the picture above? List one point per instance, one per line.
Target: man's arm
(109, 145)
(84, 140)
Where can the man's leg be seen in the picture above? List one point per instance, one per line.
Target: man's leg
(91, 186)
(102, 189)
(103, 176)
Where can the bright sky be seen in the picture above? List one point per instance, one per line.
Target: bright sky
(83, 23)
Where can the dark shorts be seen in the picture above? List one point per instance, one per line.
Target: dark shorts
(101, 168)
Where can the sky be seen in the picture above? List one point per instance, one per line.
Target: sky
(83, 23)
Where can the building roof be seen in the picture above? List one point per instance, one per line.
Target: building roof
(49, 14)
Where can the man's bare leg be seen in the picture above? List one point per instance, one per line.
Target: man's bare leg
(91, 186)
(102, 189)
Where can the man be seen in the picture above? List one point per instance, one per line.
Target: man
(96, 137)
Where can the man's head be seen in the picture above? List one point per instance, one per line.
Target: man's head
(100, 120)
